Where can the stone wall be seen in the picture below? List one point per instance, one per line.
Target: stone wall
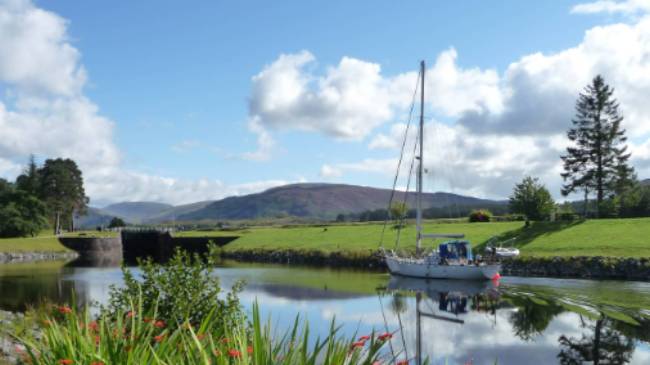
(559, 267)
(96, 251)
(584, 267)
(15, 257)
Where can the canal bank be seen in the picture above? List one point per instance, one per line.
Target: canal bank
(596, 267)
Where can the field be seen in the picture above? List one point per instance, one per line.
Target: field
(606, 237)
(44, 242)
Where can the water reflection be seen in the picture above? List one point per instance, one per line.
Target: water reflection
(522, 320)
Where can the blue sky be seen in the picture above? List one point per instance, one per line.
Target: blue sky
(172, 82)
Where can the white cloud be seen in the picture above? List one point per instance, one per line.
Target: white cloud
(35, 55)
(610, 6)
(124, 185)
(353, 98)
(265, 142)
(347, 102)
(45, 112)
(328, 171)
(460, 161)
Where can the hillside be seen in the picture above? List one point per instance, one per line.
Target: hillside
(172, 214)
(136, 212)
(318, 201)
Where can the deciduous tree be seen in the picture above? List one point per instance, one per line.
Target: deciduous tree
(531, 199)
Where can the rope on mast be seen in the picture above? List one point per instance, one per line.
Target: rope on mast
(401, 156)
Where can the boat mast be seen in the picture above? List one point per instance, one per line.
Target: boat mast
(420, 164)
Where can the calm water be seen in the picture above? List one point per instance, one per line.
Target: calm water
(519, 321)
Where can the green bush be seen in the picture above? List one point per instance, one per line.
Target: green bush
(480, 215)
(183, 289)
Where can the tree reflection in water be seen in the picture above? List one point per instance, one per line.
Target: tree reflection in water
(605, 346)
(532, 317)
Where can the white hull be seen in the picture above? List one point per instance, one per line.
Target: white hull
(434, 287)
(423, 269)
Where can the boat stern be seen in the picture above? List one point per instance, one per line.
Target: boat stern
(491, 271)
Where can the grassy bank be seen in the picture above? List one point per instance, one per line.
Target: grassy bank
(605, 237)
(45, 241)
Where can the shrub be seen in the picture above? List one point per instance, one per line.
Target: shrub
(183, 289)
(480, 215)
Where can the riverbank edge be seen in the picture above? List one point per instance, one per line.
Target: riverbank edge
(581, 267)
(35, 256)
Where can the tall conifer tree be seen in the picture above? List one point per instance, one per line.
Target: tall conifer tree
(597, 159)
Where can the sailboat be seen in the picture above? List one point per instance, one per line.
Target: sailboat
(450, 260)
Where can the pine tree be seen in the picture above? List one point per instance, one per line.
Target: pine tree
(597, 159)
(29, 181)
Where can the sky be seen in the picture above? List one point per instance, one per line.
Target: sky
(182, 102)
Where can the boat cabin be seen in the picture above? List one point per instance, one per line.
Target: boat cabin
(455, 250)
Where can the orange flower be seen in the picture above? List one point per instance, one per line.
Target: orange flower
(130, 314)
(225, 340)
(249, 349)
(65, 310)
(200, 336)
(403, 362)
(234, 353)
(66, 362)
(93, 326)
(159, 324)
(159, 338)
(147, 320)
(364, 338)
(97, 339)
(358, 344)
(385, 336)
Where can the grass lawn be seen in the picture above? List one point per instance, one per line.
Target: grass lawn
(604, 237)
(45, 241)
(364, 237)
(207, 233)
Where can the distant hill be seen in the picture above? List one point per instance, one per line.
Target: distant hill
(94, 218)
(645, 182)
(315, 201)
(173, 213)
(318, 201)
(136, 212)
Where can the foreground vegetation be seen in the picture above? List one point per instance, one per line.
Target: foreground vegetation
(179, 317)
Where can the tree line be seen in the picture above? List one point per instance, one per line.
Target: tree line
(44, 196)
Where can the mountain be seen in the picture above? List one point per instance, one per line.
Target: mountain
(318, 201)
(315, 201)
(94, 217)
(645, 182)
(136, 212)
(171, 214)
